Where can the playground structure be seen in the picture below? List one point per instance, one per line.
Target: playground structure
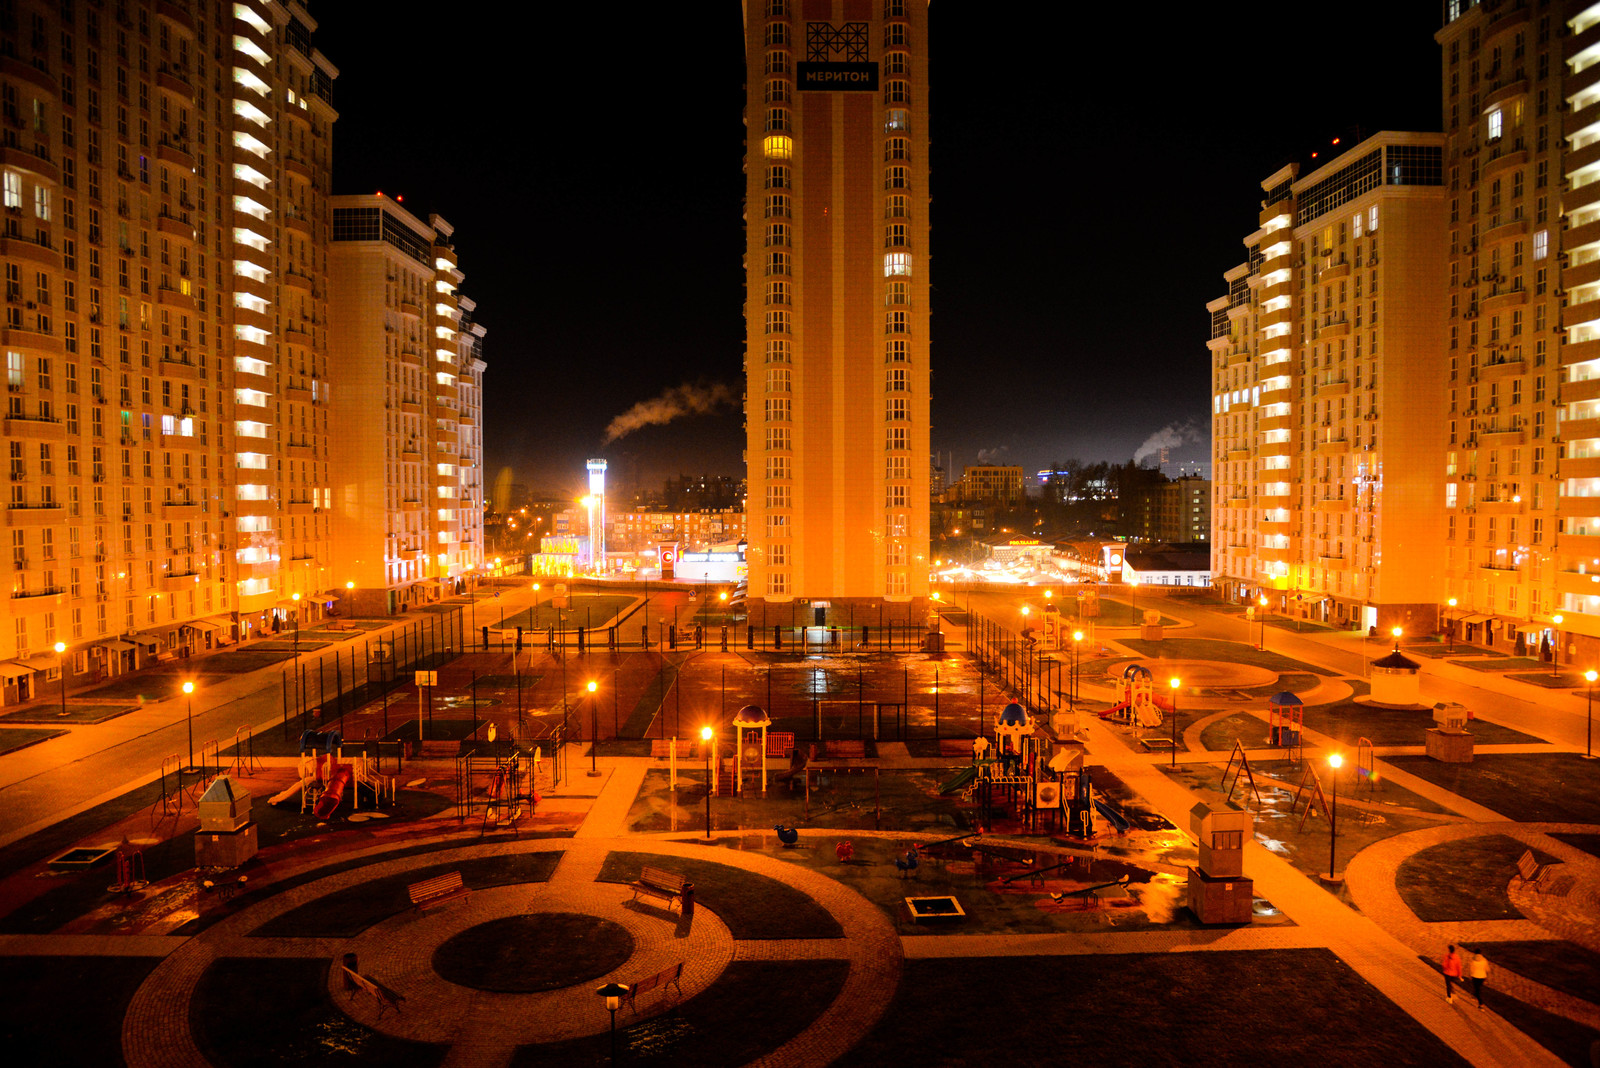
(506, 787)
(324, 776)
(1140, 706)
(1285, 724)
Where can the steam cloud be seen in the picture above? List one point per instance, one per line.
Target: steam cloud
(991, 456)
(1168, 437)
(673, 404)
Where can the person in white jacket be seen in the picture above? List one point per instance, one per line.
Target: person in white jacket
(1478, 971)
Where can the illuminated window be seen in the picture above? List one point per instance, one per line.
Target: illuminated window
(896, 555)
(896, 120)
(896, 263)
(1541, 244)
(778, 146)
(1496, 124)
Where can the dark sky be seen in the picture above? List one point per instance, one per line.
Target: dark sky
(1090, 185)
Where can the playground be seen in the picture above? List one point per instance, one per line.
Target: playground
(414, 862)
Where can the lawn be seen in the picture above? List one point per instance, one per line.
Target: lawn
(1213, 649)
(1534, 788)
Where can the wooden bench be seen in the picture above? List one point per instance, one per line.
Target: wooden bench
(1544, 878)
(664, 978)
(655, 882)
(661, 748)
(841, 748)
(437, 891)
(386, 999)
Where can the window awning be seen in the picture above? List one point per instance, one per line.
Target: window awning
(1472, 619)
(203, 624)
(117, 645)
(10, 670)
(39, 662)
(149, 641)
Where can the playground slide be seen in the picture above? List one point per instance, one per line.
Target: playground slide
(962, 779)
(1114, 710)
(1117, 819)
(1163, 703)
(292, 790)
(329, 801)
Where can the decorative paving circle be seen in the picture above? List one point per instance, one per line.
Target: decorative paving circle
(1204, 674)
(532, 953)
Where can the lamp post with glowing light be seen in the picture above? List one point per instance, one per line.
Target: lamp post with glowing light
(1027, 676)
(1263, 604)
(1588, 729)
(1396, 631)
(594, 728)
(188, 693)
(1450, 626)
(706, 734)
(1173, 683)
(1334, 760)
(1077, 645)
(1555, 647)
(613, 993)
(61, 670)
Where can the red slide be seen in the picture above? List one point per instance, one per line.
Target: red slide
(329, 801)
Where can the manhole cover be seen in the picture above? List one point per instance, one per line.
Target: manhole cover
(532, 953)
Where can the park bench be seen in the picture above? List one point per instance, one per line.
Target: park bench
(437, 891)
(664, 978)
(844, 748)
(661, 748)
(1544, 878)
(386, 999)
(655, 882)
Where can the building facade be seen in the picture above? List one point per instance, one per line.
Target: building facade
(165, 173)
(1327, 356)
(837, 316)
(407, 509)
(1177, 511)
(988, 482)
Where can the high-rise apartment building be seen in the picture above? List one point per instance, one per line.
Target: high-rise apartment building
(1328, 354)
(1178, 511)
(165, 174)
(407, 512)
(837, 303)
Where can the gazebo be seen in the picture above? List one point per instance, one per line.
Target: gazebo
(1285, 714)
(1395, 680)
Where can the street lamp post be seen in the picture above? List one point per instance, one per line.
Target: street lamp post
(188, 692)
(1588, 729)
(613, 993)
(706, 735)
(1450, 626)
(1334, 760)
(1555, 647)
(1173, 683)
(594, 729)
(61, 670)
(1077, 645)
(1263, 604)
(1396, 631)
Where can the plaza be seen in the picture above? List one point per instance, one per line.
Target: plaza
(803, 951)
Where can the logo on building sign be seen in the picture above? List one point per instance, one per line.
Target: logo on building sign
(668, 555)
(836, 59)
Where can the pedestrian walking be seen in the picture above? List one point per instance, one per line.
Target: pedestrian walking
(1452, 973)
(1478, 971)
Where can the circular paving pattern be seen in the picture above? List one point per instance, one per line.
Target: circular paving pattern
(1202, 674)
(532, 953)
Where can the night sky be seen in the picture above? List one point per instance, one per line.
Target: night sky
(1090, 186)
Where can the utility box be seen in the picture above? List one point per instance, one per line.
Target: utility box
(1221, 830)
(224, 806)
(1449, 746)
(226, 850)
(1451, 716)
(1220, 900)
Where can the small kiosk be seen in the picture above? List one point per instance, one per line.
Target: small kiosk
(1218, 890)
(227, 835)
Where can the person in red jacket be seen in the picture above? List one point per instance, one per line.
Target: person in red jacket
(1452, 973)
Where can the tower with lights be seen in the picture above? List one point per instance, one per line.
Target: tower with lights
(837, 314)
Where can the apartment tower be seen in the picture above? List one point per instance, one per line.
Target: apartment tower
(837, 308)
(1327, 354)
(165, 174)
(407, 510)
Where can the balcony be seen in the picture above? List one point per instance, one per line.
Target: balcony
(16, 248)
(178, 369)
(34, 515)
(1503, 368)
(35, 428)
(184, 580)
